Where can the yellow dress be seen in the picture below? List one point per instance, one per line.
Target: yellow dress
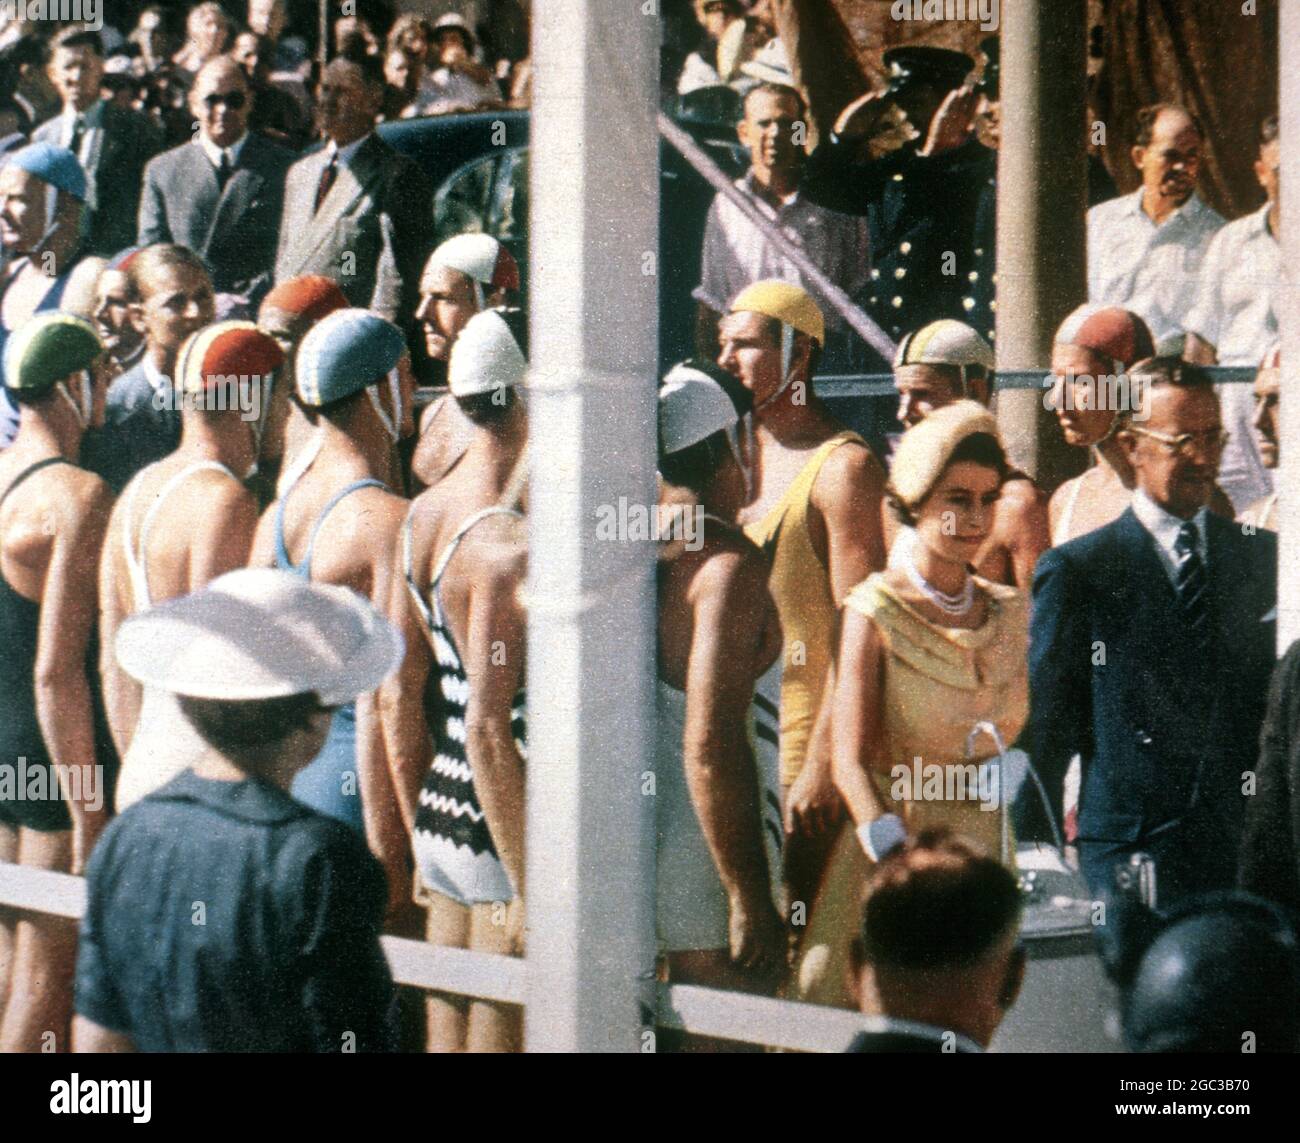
(800, 586)
(938, 682)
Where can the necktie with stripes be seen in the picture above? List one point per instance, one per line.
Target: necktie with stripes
(1190, 582)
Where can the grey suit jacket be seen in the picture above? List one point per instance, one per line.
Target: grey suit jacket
(235, 230)
(129, 140)
(372, 234)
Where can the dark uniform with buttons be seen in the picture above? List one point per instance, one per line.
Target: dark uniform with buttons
(921, 209)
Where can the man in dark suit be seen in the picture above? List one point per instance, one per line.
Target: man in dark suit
(355, 210)
(112, 143)
(142, 418)
(938, 963)
(1151, 648)
(222, 194)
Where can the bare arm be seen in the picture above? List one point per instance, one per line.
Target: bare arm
(847, 496)
(494, 667)
(122, 693)
(69, 608)
(856, 734)
(1025, 532)
(87, 1036)
(719, 762)
(262, 554)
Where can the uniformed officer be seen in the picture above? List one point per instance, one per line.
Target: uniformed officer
(921, 198)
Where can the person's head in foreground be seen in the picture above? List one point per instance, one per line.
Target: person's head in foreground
(771, 342)
(946, 478)
(1094, 344)
(51, 370)
(1175, 452)
(1219, 976)
(260, 659)
(938, 364)
(705, 437)
(1268, 384)
(939, 944)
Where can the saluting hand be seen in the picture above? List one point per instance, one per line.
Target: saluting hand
(953, 122)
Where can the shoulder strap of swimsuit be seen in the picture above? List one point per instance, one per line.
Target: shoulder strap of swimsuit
(289, 478)
(137, 554)
(31, 471)
(796, 497)
(408, 573)
(330, 505)
(1067, 513)
(450, 550)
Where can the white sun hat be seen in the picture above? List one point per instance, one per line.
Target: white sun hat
(258, 633)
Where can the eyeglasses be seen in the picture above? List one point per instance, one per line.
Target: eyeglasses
(1211, 440)
(235, 100)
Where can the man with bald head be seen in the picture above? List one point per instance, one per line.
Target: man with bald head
(1145, 249)
(221, 194)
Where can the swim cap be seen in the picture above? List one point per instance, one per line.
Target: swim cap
(1109, 331)
(344, 353)
(228, 349)
(696, 401)
(481, 258)
(294, 306)
(788, 303)
(49, 348)
(490, 353)
(54, 165)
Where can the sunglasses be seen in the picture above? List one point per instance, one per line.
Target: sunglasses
(235, 100)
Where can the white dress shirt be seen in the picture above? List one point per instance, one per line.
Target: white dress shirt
(1149, 269)
(1164, 526)
(214, 152)
(348, 153)
(1234, 312)
(737, 254)
(159, 382)
(93, 120)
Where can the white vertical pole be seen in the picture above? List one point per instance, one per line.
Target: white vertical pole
(591, 604)
(1288, 313)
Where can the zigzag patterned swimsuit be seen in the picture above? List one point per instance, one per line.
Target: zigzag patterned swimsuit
(453, 849)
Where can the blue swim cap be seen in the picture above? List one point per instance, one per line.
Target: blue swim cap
(344, 353)
(54, 165)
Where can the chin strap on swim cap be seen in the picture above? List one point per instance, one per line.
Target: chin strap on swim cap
(787, 356)
(392, 425)
(85, 407)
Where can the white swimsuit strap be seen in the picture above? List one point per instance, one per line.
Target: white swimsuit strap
(450, 550)
(408, 573)
(299, 465)
(137, 560)
(1062, 533)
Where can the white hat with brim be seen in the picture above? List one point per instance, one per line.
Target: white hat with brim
(770, 64)
(258, 634)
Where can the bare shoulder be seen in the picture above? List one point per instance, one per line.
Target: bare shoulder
(496, 548)
(851, 470)
(82, 493)
(729, 565)
(1021, 499)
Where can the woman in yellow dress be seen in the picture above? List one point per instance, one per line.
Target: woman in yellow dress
(927, 653)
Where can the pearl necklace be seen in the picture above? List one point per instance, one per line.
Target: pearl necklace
(958, 604)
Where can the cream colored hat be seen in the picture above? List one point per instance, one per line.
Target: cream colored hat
(923, 451)
(258, 633)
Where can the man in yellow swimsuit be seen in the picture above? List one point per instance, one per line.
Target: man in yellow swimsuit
(816, 515)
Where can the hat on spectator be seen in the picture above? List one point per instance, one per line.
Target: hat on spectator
(257, 634)
(296, 305)
(210, 357)
(696, 400)
(121, 261)
(932, 67)
(770, 64)
(490, 354)
(1110, 332)
(946, 342)
(923, 451)
(455, 22)
(54, 165)
(344, 353)
(481, 258)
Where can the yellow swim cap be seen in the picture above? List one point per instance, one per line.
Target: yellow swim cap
(786, 302)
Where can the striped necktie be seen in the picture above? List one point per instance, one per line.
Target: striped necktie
(1190, 582)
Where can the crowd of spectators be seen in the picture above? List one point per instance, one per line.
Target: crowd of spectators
(286, 617)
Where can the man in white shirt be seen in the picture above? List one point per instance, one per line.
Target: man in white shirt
(700, 68)
(1234, 320)
(737, 254)
(1145, 249)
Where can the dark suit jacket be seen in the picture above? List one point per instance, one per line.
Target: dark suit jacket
(1165, 733)
(135, 432)
(129, 141)
(372, 234)
(234, 230)
(1270, 860)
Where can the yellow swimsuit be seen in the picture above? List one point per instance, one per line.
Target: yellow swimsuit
(801, 588)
